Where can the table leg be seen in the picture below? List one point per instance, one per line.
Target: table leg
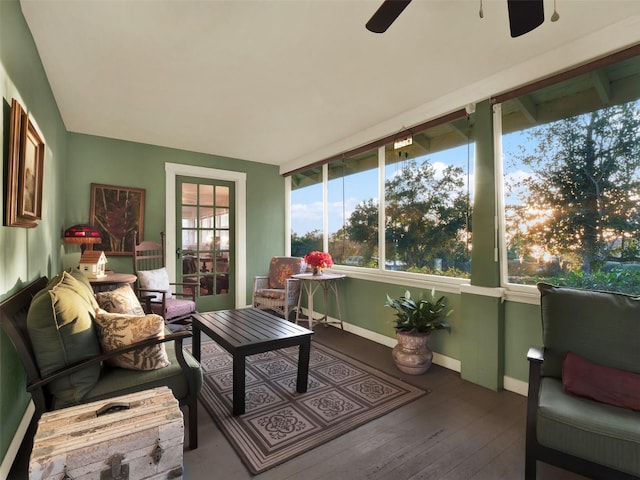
(238, 384)
(196, 342)
(303, 366)
(334, 287)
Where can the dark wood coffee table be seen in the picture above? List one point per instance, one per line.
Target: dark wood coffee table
(248, 331)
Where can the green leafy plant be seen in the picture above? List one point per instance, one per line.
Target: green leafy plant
(420, 315)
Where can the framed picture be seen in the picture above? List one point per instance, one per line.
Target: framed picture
(24, 171)
(117, 212)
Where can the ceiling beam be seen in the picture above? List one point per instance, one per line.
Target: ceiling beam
(528, 107)
(602, 85)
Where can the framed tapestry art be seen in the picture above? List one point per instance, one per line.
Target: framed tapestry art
(117, 212)
(25, 171)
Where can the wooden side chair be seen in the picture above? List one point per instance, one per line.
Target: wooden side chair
(175, 302)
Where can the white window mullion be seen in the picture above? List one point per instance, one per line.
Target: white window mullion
(325, 207)
(381, 209)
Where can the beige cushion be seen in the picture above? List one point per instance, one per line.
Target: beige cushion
(155, 280)
(120, 300)
(117, 330)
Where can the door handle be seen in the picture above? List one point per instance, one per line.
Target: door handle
(178, 252)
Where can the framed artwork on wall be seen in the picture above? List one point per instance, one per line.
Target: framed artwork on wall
(117, 212)
(25, 171)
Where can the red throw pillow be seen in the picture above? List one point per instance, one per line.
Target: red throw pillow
(602, 384)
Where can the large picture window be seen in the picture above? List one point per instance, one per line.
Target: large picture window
(427, 204)
(572, 183)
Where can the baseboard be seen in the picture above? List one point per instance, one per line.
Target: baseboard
(516, 386)
(438, 359)
(9, 458)
(509, 383)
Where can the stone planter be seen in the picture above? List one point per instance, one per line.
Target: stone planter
(412, 353)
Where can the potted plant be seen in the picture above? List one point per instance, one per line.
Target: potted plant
(415, 319)
(318, 261)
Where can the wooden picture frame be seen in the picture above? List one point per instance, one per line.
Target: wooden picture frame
(25, 171)
(117, 212)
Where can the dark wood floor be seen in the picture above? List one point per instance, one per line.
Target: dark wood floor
(458, 431)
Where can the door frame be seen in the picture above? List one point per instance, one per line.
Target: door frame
(240, 252)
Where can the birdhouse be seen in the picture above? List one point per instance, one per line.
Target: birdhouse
(93, 263)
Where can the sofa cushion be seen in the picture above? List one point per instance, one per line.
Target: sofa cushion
(602, 384)
(125, 381)
(602, 433)
(120, 300)
(117, 330)
(591, 324)
(155, 280)
(60, 325)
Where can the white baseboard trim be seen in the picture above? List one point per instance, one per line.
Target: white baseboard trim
(438, 359)
(509, 383)
(516, 386)
(8, 459)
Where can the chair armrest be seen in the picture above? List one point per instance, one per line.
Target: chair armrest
(535, 354)
(261, 281)
(184, 285)
(292, 288)
(177, 337)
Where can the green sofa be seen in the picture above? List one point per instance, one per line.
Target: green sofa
(591, 431)
(51, 325)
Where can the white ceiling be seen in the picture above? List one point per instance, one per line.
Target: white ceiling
(289, 82)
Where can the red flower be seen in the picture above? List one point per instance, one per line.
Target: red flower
(319, 259)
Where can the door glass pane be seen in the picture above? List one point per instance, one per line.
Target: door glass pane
(206, 237)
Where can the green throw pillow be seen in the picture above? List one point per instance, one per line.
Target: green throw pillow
(60, 325)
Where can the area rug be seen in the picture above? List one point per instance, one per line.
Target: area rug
(280, 423)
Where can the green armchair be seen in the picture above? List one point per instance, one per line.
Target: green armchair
(584, 385)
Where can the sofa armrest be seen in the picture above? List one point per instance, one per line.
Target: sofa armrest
(177, 337)
(185, 286)
(536, 358)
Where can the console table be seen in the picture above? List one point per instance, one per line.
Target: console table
(311, 283)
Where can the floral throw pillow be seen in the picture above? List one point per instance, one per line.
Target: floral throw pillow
(120, 300)
(117, 330)
(155, 280)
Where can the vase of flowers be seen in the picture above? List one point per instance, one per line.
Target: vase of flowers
(318, 261)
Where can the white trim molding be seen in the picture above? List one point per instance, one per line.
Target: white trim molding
(240, 180)
(12, 451)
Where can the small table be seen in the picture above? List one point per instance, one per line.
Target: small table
(248, 331)
(311, 283)
(111, 281)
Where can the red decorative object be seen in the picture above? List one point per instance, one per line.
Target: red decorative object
(319, 259)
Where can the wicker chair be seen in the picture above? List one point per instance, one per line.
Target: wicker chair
(278, 291)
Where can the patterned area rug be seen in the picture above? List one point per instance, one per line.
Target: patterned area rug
(280, 423)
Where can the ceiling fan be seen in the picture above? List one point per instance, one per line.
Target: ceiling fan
(524, 15)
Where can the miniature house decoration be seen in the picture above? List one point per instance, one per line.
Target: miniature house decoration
(92, 263)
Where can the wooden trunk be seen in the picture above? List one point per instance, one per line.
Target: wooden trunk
(140, 437)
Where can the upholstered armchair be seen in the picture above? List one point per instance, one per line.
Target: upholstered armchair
(583, 405)
(278, 291)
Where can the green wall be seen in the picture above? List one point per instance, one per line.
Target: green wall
(74, 161)
(26, 254)
(115, 162)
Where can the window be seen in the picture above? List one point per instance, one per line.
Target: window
(306, 212)
(571, 156)
(353, 206)
(427, 207)
(428, 202)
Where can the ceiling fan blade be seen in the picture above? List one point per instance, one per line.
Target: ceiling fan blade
(524, 16)
(386, 15)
